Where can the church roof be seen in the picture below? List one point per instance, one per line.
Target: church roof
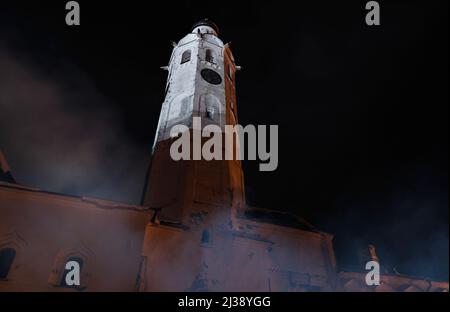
(278, 218)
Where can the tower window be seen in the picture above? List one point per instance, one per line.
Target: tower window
(185, 57)
(205, 237)
(63, 282)
(7, 256)
(209, 57)
(230, 73)
(210, 113)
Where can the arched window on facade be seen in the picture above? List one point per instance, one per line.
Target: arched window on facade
(64, 273)
(209, 56)
(63, 282)
(185, 57)
(7, 256)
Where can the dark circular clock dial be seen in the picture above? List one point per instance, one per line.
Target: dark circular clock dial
(211, 76)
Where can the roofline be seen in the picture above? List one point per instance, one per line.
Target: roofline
(101, 203)
(308, 226)
(404, 276)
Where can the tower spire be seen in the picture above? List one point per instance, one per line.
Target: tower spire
(205, 26)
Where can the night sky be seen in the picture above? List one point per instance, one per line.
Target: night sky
(362, 111)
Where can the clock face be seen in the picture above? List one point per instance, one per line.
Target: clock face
(211, 76)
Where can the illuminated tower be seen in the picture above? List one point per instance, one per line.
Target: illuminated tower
(200, 83)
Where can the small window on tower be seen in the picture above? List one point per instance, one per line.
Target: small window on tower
(185, 57)
(209, 57)
(230, 73)
(206, 238)
(210, 113)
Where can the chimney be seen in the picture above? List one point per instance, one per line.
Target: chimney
(373, 253)
(5, 171)
(367, 253)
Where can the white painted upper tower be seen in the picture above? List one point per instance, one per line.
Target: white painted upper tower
(196, 82)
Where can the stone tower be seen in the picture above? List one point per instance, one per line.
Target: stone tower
(200, 83)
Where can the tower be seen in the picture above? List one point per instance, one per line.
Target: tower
(200, 83)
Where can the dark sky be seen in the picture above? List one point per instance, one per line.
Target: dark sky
(362, 111)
